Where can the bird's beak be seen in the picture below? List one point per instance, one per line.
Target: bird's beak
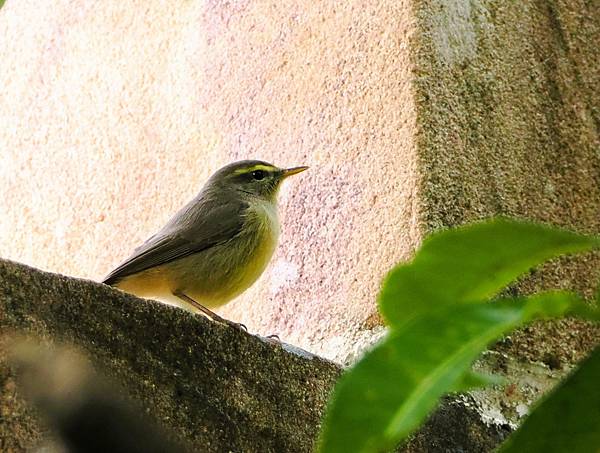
(293, 171)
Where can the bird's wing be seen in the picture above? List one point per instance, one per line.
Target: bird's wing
(190, 231)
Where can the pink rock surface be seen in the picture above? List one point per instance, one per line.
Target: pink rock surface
(112, 116)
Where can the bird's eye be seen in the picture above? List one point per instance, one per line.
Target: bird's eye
(258, 174)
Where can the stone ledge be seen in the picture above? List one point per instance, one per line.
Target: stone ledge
(219, 388)
(215, 387)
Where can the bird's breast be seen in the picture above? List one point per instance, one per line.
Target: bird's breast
(226, 271)
(262, 223)
(264, 216)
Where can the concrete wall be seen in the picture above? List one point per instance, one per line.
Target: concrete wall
(412, 116)
(112, 117)
(507, 98)
(508, 102)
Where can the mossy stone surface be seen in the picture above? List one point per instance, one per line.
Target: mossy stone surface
(212, 387)
(216, 387)
(508, 114)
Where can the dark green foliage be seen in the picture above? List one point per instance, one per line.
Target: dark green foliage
(472, 263)
(441, 318)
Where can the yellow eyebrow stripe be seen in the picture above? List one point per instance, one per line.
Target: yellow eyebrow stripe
(266, 168)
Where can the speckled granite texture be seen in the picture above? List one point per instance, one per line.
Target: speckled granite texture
(217, 387)
(508, 114)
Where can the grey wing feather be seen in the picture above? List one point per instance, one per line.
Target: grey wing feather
(190, 231)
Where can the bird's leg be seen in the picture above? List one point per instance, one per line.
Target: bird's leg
(208, 313)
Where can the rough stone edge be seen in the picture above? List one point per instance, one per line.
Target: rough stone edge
(215, 386)
(261, 396)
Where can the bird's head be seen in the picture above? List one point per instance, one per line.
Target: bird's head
(252, 177)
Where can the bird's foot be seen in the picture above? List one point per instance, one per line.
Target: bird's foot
(209, 313)
(273, 339)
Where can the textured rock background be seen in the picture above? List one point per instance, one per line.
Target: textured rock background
(112, 117)
(508, 99)
(412, 116)
(508, 115)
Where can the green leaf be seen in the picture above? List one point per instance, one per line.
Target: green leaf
(472, 380)
(391, 390)
(586, 311)
(2, 3)
(471, 264)
(573, 408)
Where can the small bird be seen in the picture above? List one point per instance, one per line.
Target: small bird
(216, 246)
